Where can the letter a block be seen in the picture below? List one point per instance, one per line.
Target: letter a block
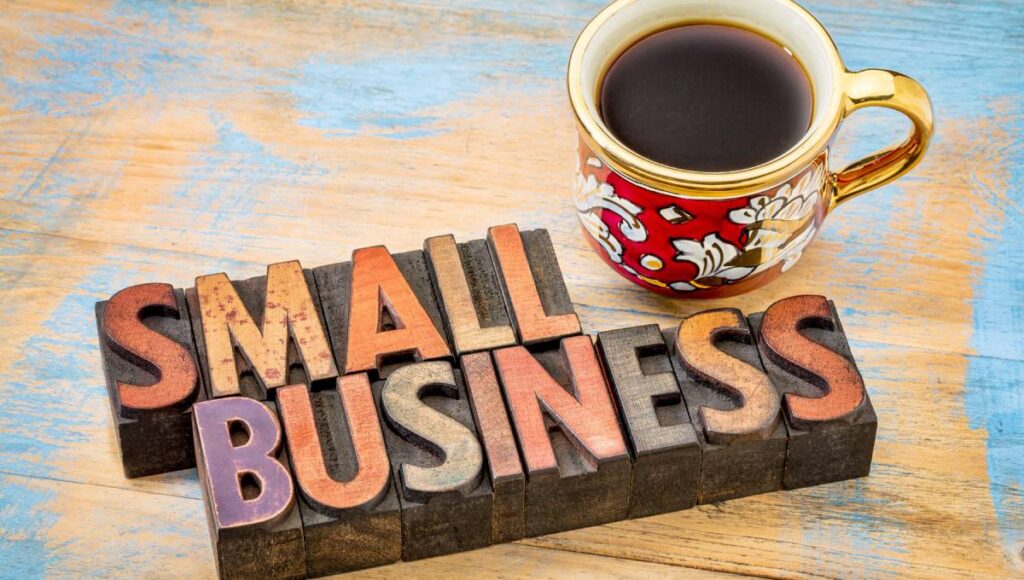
(437, 461)
(732, 404)
(381, 311)
(250, 499)
(259, 334)
(663, 443)
(578, 468)
(828, 413)
(350, 513)
(149, 360)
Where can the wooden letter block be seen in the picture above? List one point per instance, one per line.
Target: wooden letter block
(578, 468)
(506, 471)
(467, 288)
(828, 413)
(438, 464)
(350, 513)
(532, 284)
(259, 334)
(381, 311)
(149, 360)
(732, 404)
(250, 500)
(663, 442)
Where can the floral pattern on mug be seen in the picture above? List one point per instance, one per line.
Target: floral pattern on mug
(718, 243)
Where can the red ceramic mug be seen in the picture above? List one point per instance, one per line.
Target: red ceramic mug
(691, 234)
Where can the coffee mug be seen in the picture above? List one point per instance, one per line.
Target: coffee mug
(691, 234)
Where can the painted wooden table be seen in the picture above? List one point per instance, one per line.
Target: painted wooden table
(145, 140)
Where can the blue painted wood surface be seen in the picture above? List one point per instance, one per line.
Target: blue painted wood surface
(143, 140)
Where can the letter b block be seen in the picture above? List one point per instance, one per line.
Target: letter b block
(250, 500)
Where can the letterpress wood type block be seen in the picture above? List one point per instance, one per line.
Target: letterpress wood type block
(828, 413)
(381, 311)
(466, 285)
(578, 468)
(259, 334)
(733, 405)
(662, 440)
(507, 477)
(436, 459)
(247, 486)
(532, 284)
(149, 360)
(349, 506)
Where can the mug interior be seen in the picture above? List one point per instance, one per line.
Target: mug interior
(780, 20)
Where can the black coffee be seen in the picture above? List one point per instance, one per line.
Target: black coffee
(707, 97)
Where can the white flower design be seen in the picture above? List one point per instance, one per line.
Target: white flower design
(713, 257)
(780, 226)
(591, 198)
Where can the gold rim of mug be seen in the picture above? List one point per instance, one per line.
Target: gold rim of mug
(698, 184)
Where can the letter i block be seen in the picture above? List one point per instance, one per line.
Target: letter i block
(507, 477)
(259, 334)
(149, 360)
(828, 413)
(247, 485)
(578, 468)
(663, 443)
(436, 460)
(732, 403)
(467, 289)
(381, 311)
(351, 518)
(532, 284)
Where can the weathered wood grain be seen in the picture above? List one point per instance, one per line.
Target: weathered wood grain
(152, 374)
(350, 513)
(437, 460)
(122, 161)
(829, 418)
(732, 403)
(259, 334)
(577, 465)
(381, 311)
(662, 442)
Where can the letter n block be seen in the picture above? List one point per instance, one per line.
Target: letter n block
(732, 403)
(828, 413)
(437, 460)
(578, 468)
(663, 443)
(259, 334)
(247, 485)
(149, 360)
(381, 311)
(350, 513)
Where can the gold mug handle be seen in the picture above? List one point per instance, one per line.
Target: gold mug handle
(884, 88)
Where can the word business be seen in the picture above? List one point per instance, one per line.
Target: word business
(402, 406)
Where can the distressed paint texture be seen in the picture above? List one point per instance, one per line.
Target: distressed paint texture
(152, 141)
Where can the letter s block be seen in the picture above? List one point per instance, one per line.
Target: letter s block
(829, 416)
(149, 359)
(247, 485)
(732, 403)
(436, 459)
